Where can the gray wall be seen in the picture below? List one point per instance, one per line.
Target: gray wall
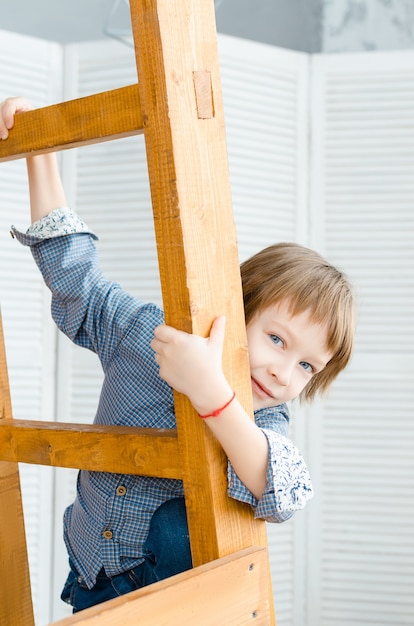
(306, 25)
(293, 24)
(63, 21)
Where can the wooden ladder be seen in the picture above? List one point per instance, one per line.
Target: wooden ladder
(177, 105)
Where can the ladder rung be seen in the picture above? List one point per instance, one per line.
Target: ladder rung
(232, 590)
(93, 119)
(120, 449)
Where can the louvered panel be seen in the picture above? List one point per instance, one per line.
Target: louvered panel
(367, 535)
(96, 74)
(30, 67)
(281, 550)
(369, 144)
(363, 200)
(262, 88)
(117, 205)
(88, 378)
(112, 181)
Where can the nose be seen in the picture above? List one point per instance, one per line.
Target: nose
(282, 372)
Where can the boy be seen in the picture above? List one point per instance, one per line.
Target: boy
(123, 532)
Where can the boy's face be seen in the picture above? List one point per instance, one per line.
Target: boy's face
(285, 351)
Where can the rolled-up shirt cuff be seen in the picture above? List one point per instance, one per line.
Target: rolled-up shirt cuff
(60, 222)
(288, 486)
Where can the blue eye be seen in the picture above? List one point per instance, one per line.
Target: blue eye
(307, 367)
(276, 340)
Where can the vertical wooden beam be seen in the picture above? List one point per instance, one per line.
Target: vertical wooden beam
(182, 109)
(15, 593)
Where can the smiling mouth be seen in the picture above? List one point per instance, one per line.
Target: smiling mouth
(260, 390)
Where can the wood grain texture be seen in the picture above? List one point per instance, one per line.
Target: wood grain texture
(196, 240)
(140, 451)
(93, 119)
(5, 399)
(16, 607)
(230, 591)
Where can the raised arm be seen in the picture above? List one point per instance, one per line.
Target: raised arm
(45, 185)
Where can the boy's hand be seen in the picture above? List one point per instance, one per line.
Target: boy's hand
(8, 109)
(191, 364)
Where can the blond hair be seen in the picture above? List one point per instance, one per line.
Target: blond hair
(300, 276)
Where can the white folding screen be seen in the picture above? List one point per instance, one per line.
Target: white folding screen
(361, 561)
(265, 92)
(348, 559)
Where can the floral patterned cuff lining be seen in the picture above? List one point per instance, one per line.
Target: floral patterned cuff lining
(60, 222)
(288, 486)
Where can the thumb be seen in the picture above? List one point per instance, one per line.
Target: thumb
(218, 330)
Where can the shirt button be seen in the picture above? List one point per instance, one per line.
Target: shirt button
(121, 490)
(107, 534)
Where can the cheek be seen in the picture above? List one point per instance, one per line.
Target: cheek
(256, 347)
(302, 379)
(252, 356)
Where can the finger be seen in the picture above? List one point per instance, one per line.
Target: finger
(17, 104)
(160, 332)
(9, 108)
(3, 117)
(166, 333)
(218, 330)
(157, 345)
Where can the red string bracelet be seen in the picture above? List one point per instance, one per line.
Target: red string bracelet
(217, 412)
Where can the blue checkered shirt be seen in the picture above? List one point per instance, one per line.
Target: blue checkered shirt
(99, 315)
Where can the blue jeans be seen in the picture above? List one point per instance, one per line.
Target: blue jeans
(166, 550)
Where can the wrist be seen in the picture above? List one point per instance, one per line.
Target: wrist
(214, 399)
(220, 409)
